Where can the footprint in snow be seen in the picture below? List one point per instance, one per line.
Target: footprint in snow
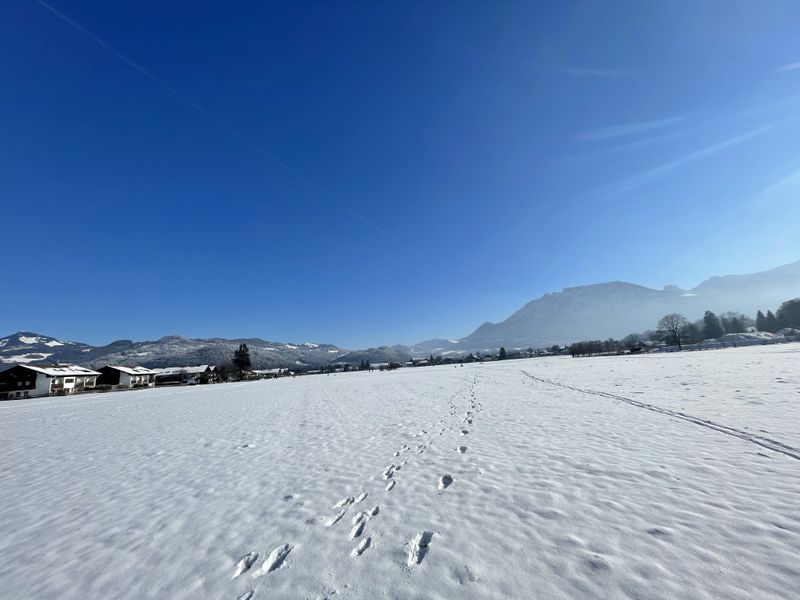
(274, 560)
(462, 449)
(419, 547)
(464, 431)
(374, 510)
(362, 546)
(334, 519)
(360, 516)
(245, 563)
(343, 502)
(361, 497)
(391, 485)
(444, 482)
(358, 528)
(246, 595)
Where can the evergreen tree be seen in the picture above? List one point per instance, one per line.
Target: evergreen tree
(772, 322)
(712, 329)
(241, 358)
(692, 333)
(761, 321)
(733, 322)
(788, 314)
(502, 355)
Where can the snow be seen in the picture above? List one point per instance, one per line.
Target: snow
(752, 336)
(26, 339)
(63, 371)
(27, 358)
(133, 370)
(193, 370)
(655, 476)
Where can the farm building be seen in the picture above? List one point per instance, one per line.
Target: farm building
(28, 381)
(126, 377)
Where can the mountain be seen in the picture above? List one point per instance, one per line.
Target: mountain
(399, 354)
(615, 309)
(597, 311)
(28, 347)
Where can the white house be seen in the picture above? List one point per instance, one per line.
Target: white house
(28, 381)
(126, 377)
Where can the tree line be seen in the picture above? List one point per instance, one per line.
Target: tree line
(676, 330)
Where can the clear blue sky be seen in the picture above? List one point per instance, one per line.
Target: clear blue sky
(383, 172)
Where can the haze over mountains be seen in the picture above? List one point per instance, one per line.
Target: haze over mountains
(597, 311)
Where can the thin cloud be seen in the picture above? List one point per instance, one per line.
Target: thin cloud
(617, 131)
(640, 179)
(790, 67)
(193, 105)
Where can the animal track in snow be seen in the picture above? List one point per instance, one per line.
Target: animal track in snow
(444, 482)
(334, 519)
(361, 497)
(274, 560)
(343, 502)
(363, 545)
(464, 431)
(246, 595)
(374, 510)
(391, 485)
(360, 516)
(419, 547)
(245, 563)
(462, 449)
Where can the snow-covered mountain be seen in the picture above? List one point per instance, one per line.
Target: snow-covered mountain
(27, 347)
(597, 311)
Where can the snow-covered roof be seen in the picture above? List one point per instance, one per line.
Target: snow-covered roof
(132, 370)
(62, 371)
(188, 370)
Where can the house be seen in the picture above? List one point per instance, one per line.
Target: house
(120, 377)
(186, 375)
(28, 381)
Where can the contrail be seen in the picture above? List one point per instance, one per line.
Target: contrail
(240, 136)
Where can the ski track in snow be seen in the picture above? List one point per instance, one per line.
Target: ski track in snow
(585, 517)
(743, 435)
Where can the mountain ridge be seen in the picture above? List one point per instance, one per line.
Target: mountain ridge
(592, 311)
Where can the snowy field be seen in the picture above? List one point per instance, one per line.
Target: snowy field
(659, 476)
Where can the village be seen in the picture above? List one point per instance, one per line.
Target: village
(23, 381)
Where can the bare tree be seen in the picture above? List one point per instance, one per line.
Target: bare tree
(672, 326)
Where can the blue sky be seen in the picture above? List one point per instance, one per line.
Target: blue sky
(383, 172)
